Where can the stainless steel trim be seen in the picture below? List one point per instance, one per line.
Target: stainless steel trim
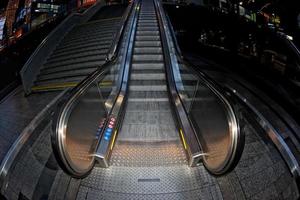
(59, 132)
(24, 138)
(274, 135)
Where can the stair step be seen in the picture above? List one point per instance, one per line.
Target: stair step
(78, 55)
(147, 28)
(70, 48)
(147, 38)
(148, 50)
(147, 88)
(97, 58)
(143, 76)
(147, 82)
(85, 41)
(73, 67)
(64, 74)
(78, 51)
(148, 58)
(144, 66)
(148, 94)
(147, 33)
(147, 44)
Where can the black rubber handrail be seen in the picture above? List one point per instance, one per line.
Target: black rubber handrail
(238, 141)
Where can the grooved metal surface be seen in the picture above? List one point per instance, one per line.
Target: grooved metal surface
(168, 182)
(16, 112)
(148, 154)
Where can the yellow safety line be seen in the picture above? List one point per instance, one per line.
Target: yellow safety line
(183, 139)
(54, 86)
(105, 83)
(64, 85)
(113, 141)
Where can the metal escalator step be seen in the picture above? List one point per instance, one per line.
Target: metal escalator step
(144, 95)
(147, 38)
(148, 76)
(147, 20)
(150, 26)
(147, 82)
(144, 66)
(142, 155)
(148, 132)
(148, 50)
(147, 23)
(145, 106)
(147, 71)
(147, 88)
(147, 58)
(147, 33)
(147, 44)
(147, 28)
(151, 116)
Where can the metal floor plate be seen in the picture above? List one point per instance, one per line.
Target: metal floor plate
(164, 182)
(148, 154)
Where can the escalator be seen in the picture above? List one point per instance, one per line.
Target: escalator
(145, 125)
(137, 126)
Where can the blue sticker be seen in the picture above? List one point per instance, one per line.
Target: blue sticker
(109, 130)
(106, 138)
(107, 134)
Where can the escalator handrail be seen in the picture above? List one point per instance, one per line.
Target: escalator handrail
(235, 131)
(291, 44)
(69, 100)
(115, 45)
